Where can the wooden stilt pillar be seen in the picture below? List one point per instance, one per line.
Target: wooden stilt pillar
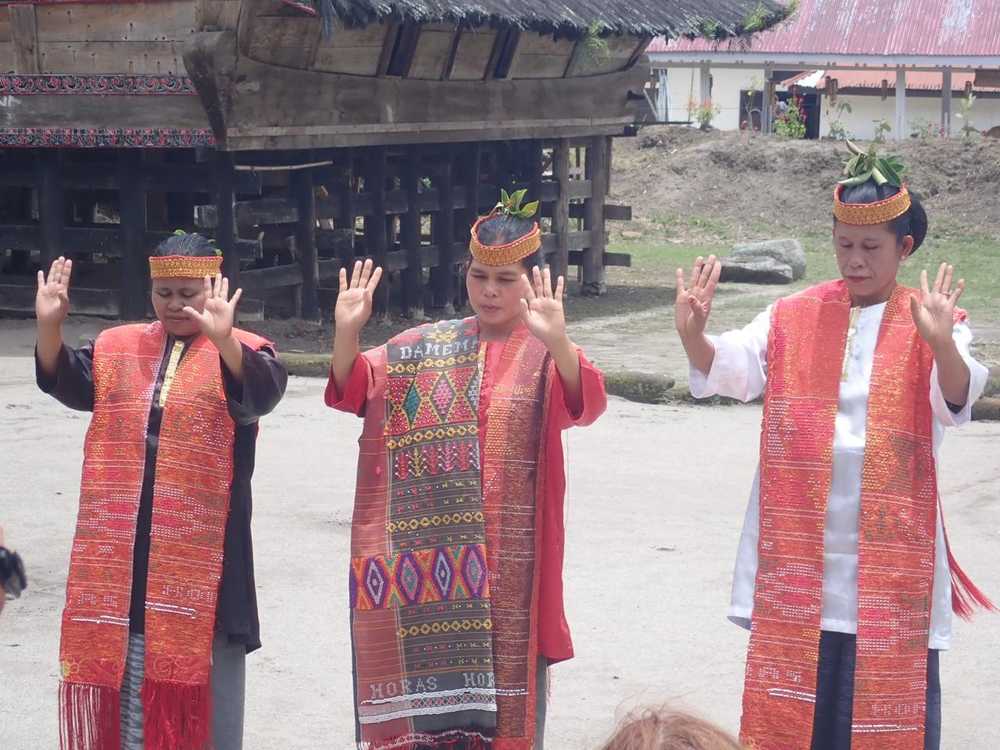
(444, 230)
(593, 257)
(347, 216)
(305, 240)
(225, 231)
(51, 205)
(376, 236)
(133, 294)
(413, 276)
(473, 178)
(560, 212)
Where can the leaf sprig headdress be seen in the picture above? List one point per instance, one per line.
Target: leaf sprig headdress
(864, 166)
(511, 204)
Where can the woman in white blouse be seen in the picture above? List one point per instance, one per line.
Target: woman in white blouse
(824, 486)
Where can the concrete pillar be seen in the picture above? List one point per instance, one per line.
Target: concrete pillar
(946, 102)
(767, 95)
(900, 128)
(662, 96)
(705, 85)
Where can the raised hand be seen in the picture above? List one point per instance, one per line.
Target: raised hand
(542, 309)
(354, 301)
(693, 303)
(934, 312)
(52, 299)
(216, 319)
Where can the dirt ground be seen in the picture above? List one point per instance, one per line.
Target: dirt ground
(649, 557)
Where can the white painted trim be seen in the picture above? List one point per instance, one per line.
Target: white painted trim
(740, 59)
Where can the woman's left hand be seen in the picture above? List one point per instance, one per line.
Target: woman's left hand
(542, 309)
(216, 319)
(934, 311)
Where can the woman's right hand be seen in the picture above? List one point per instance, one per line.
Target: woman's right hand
(693, 303)
(52, 299)
(354, 301)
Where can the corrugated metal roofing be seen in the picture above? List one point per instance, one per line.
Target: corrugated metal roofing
(871, 27)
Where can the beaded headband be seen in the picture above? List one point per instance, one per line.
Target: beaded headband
(880, 212)
(184, 266)
(504, 255)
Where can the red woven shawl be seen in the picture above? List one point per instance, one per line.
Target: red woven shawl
(194, 471)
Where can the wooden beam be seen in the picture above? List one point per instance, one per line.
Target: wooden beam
(226, 232)
(305, 241)
(443, 223)
(597, 170)
(561, 209)
(388, 45)
(20, 298)
(376, 235)
(51, 205)
(133, 293)
(449, 64)
(24, 35)
(413, 283)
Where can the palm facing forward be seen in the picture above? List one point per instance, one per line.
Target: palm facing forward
(216, 319)
(354, 300)
(693, 303)
(542, 309)
(52, 299)
(934, 312)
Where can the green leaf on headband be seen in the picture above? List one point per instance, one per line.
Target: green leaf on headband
(529, 210)
(179, 233)
(868, 165)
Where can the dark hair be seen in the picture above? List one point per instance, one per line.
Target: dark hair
(188, 245)
(502, 229)
(913, 222)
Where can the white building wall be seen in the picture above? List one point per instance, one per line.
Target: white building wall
(866, 110)
(683, 87)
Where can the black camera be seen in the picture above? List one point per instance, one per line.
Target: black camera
(12, 577)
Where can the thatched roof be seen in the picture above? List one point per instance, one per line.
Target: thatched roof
(716, 19)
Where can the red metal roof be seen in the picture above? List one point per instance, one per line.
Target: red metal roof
(915, 81)
(871, 27)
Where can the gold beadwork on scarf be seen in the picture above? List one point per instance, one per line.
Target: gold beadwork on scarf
(168, 376)
(866, 214)
(852, 331)
(184, 267)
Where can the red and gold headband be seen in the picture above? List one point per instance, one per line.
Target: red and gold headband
(880, 212)
(504, 255)
(184, 266)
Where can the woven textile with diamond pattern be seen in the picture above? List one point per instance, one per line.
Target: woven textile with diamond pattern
(444, 599)
(899, 504)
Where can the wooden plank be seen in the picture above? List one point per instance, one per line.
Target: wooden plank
(305, 240)
(612, 211)
(609, 259)
(288, 41)
(432, 52)
(388, 45)
(104, 239)
(541, 56)
(162, 21)
(215, 15)
(7, 57)
(4, 26)
(561, 210)
(183, 112)
(133, 58)
(473, 54)
(354, 51)
(134, 277)
(614, 55)
(24, 35)
(21, 298)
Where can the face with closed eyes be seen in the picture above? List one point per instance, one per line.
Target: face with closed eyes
(868, 258)
(495, 293)
(171, 296)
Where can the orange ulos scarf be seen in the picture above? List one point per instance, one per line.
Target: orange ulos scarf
(897, 521)
(193, 478)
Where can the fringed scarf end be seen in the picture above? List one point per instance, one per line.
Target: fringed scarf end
(446, 741)
(965, 595)
(89, 717)
(177, 716)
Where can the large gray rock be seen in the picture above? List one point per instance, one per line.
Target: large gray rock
(756, 271)
(768, 262)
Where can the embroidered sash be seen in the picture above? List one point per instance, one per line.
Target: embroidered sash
(896, 527)
(193, 477)
(443, 618)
